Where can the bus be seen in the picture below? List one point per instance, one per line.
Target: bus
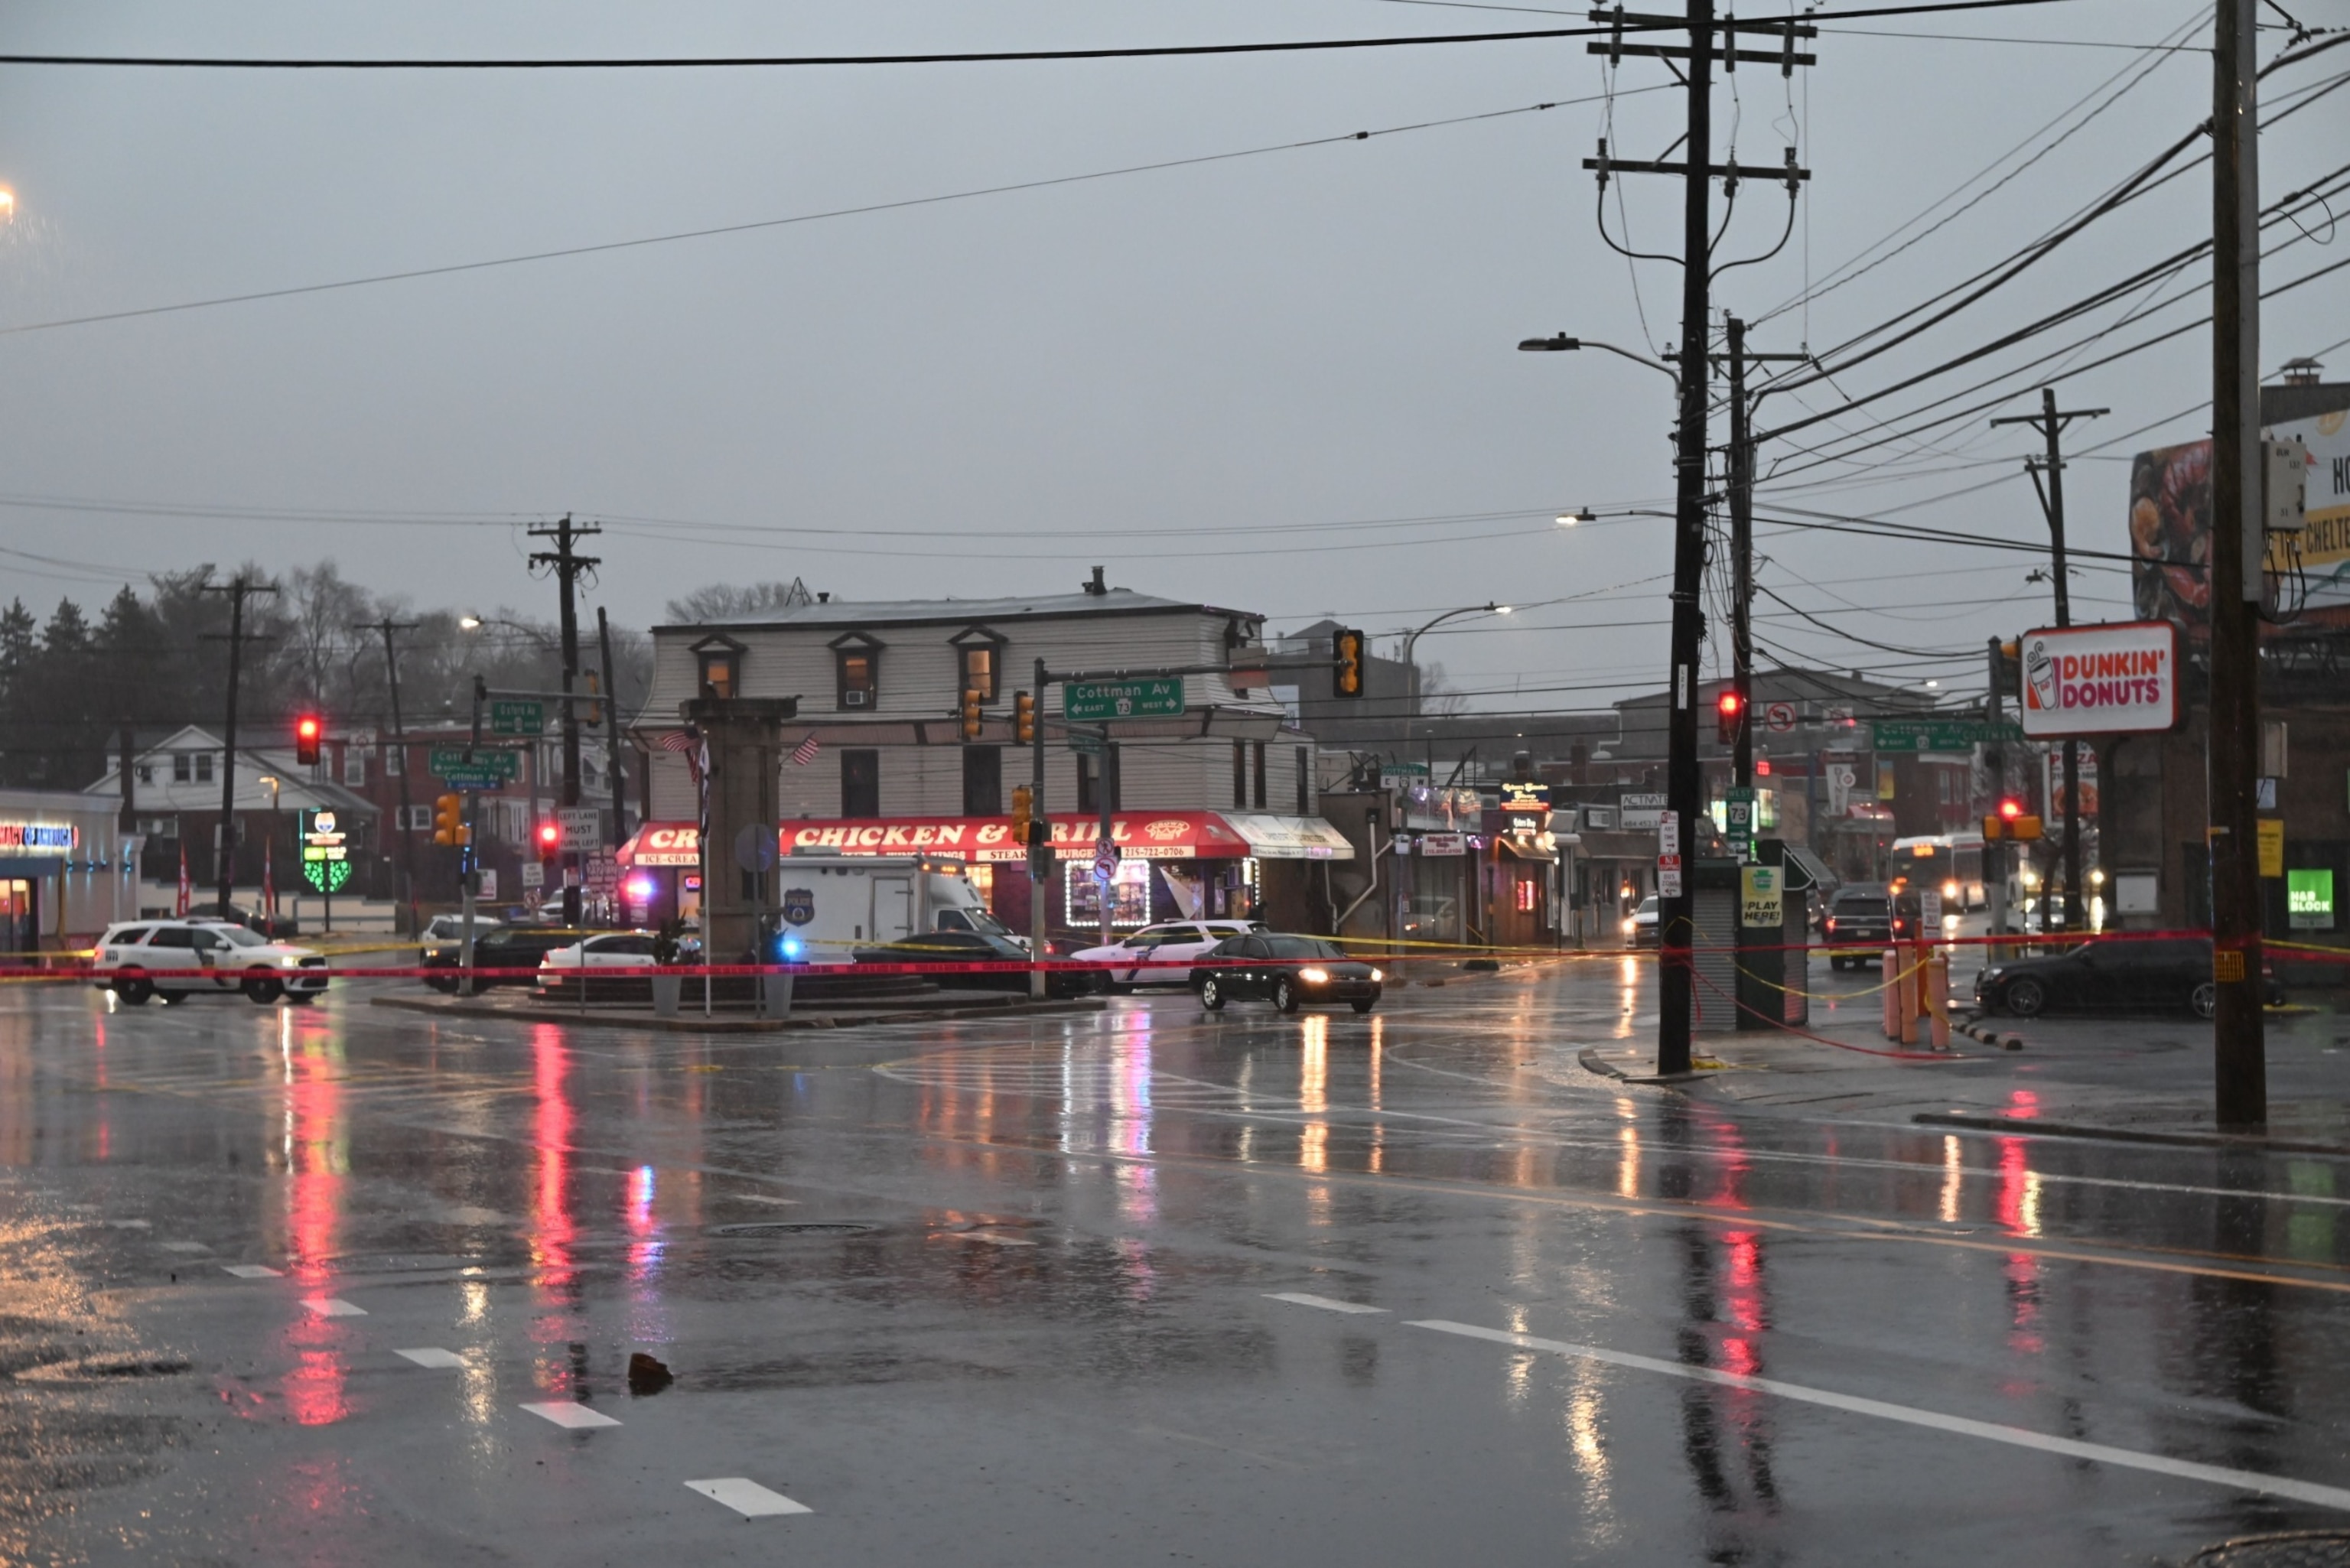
(1949, 863)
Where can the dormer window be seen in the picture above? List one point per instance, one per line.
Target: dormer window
(720, 659)
(857, 662)
(979, 662)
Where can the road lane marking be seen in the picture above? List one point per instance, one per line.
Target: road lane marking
(185, 1247)
(252, 1270)
(747, 1498)
(434, 1357)
(1305, 1298)
(2336, 1498)
(569, 1413)
(334, 1306)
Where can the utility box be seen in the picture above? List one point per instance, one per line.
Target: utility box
(2285, 490)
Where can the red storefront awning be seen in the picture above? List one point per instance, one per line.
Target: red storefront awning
(1138, 835)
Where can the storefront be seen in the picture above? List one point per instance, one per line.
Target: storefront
(1170, 865)
(66, 872)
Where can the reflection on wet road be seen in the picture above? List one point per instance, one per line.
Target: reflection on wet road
(338, 1284)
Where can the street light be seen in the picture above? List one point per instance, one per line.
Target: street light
(1562, 344)
(1411, 641)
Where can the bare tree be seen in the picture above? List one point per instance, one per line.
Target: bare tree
(736, 602)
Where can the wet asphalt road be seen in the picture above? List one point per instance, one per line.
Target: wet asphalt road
(1098, 1316)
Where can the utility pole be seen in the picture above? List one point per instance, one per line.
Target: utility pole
(2240, 1066)
(1676, 925)
(1741, 542)
(1995, 851)
(237, 592)
(2051, 422)
(1040, 851)
(568, 565)
(387, 627)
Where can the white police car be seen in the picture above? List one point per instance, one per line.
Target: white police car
(176, 959)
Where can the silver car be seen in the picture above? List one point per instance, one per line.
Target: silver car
(175, 959)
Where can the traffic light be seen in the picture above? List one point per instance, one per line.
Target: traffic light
(2007, 669)
(1346, 664)
(449, 820)
(307, 731)
(595, 707)
(1024, 718)
(1729, 712)
(550, 838)
(970, 714)
(1023, 812)
(2011, 821)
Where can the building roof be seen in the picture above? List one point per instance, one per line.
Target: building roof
(297, 788)
(846, 613)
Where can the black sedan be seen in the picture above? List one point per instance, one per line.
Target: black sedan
(1287, 972)
(517, 948)
(1006, 959)
(2119, 975)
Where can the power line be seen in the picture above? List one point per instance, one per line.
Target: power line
(982, 57)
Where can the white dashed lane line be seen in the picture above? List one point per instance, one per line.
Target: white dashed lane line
(570, 1413)
(1303, 1298)
(185, 1247)
(1992, 1431)
(250, 1270)
(434, 1357)
(748, 1498)
(334, 1306)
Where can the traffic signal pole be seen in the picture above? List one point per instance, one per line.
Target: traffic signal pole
(2240, 1067)
(388, 628)
(237, 592)
(568, 565)
(1040, 850)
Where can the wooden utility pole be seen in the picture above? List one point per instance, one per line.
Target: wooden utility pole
(568, 565)
(237, 591)
(388, 628)
(2232, 752)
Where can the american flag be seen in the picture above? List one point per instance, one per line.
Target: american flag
(804, 753)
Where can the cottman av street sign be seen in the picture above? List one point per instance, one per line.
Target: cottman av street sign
(1091, 702)
(491, 768)
(1939, 734)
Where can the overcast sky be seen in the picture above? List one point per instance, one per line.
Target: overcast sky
(1161, 371)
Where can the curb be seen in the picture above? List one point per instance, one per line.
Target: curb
(2254, 1141)
(1589, 1060)
(699, 1025)
(1975, 1029)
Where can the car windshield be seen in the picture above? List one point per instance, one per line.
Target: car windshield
(1648, 905)
(238, 937)
(1301, 948)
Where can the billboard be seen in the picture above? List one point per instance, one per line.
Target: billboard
(2171, 530)
(2100, 679)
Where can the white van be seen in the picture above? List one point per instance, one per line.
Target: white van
(833, 903)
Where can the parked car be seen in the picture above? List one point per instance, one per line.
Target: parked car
(1865, 919)
(601, 963)
(1006, 957)
(511, 947)
(1170, 942)
(1640, 925)
(175, 959)
(2161, 974)
(1288, 971)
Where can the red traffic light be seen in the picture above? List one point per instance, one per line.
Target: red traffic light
(550, 837)
(1730, 702)
(2009, 808)
(308, 729)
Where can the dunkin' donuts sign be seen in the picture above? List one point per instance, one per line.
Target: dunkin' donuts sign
(2100, 679)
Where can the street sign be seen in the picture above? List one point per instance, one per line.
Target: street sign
(1091, 702)
(1779, 716)
(1738, 813)
(1669, 835)
(1105, 860)
(1085, 742)
(1762, 902)
(581, 824)
(1519, 796)
(518, 716)
(451, 764)
(755, 848)
(1641, 812)
(534, 876)
(1939, 734)
(603, 872)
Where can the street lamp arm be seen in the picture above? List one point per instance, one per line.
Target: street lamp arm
(1562, 343)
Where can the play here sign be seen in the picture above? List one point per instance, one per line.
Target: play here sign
(2100, 679)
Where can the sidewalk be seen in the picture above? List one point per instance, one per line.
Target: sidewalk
(2144, 1079)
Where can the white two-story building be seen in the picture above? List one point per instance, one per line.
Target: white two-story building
(1212, 810)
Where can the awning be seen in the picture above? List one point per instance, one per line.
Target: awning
(1138, 835)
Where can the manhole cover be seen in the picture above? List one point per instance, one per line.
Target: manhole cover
(795, 1227)
(2293, 1549)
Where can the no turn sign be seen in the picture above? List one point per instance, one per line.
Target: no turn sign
(1779, 718)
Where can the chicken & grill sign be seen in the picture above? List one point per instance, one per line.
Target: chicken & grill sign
(2100, 679)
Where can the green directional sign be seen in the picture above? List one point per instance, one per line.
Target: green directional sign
(491, 768)
(1940, 734)
(1093, 701)
(1085, 742)
(518, 716)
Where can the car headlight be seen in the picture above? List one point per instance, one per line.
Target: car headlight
(1992, 974)
(1378, 974)
(1312, 976)
(1630, 925)
(289, 961)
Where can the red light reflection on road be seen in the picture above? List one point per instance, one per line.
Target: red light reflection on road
(316, 1152)
(553, 1231)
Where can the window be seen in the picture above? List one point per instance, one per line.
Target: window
(395, 761)
(203, 767)
(182, 767)
(857, 672)
(979, 663)
(1240, 775)
(952, 921)
(1304, 782)
(173, 937)
(159, 826)
(719, 660)
(1260, 776)
(860, 781)
(417, 818)
(982, 781)
(127, 938)
(146, 772)
(355, 766)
